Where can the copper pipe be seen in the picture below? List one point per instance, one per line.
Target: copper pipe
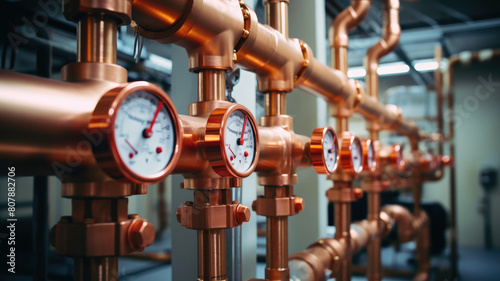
(211, 85)
(348, 19)
(96, 268)
(329, 254)
(342, 125)
(275, 103)
(277, 248)
(212, 255)
(277, 15)
(44, 132)
(343, 234)
(389, 41)
(374, 248)
(264, 50)
(97, 39)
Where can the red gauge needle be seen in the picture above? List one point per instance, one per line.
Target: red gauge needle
(149, 131)
(135, 151)
(333, 146)
(234, 155)
(241, 140)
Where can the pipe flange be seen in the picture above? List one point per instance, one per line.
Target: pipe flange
(120, 9)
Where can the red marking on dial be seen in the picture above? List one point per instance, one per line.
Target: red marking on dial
(135, 151)
(229, 146)
(130, 155)
(245, 153)
(159, 149)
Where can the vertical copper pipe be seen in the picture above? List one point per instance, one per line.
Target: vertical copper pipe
(211, 85)
(374, 264)
(212, 255)
(342, 125)
(389, 41)
(97, 39)
(277, 237)
(342, 234)
(96, 269)
(277, 15)
(275, 103)
(277, 248)
(348, 19)
(438, 77)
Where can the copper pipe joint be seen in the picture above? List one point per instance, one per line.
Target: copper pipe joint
(348, 19)
(97, 39)
(211, 85)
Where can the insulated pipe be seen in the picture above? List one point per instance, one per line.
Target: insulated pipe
(260, 49)
(391, 33)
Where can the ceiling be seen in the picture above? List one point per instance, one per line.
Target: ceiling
(458, 25)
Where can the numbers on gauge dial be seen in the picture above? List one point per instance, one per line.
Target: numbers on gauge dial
(356, 155)
(330, 150)
(239, 141)
(144, 133)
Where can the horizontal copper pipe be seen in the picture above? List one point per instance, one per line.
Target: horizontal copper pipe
(327, 254)
(280, 63)
(47, 131)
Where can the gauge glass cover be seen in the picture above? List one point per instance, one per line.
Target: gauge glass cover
(145, 149)
(239, 141)
(356, 155)
(330, 150)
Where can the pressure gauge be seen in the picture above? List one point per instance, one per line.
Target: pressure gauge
(351, 153)
(231, 141)
(324, 150)
(369, 155)
(141, 133)
(396, 157)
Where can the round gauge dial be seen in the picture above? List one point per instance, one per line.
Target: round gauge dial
(239, 141)
(142, 133)
(369, 155)
(324, 150)
(231, 141)
(356, 155)
(351, 154)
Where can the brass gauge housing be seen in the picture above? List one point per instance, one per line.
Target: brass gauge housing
(232, 141)
(396, 157)
(324, 150)
(351, 154)
(370, 155)
(136, 133)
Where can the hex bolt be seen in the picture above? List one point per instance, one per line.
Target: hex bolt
(242, 214)
(358, 193)
(299, 204)
(140, 234)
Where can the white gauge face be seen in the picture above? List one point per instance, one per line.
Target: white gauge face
(239, 141)
(144, 133)
(356, 155)
(371, 156)
(330, 150)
